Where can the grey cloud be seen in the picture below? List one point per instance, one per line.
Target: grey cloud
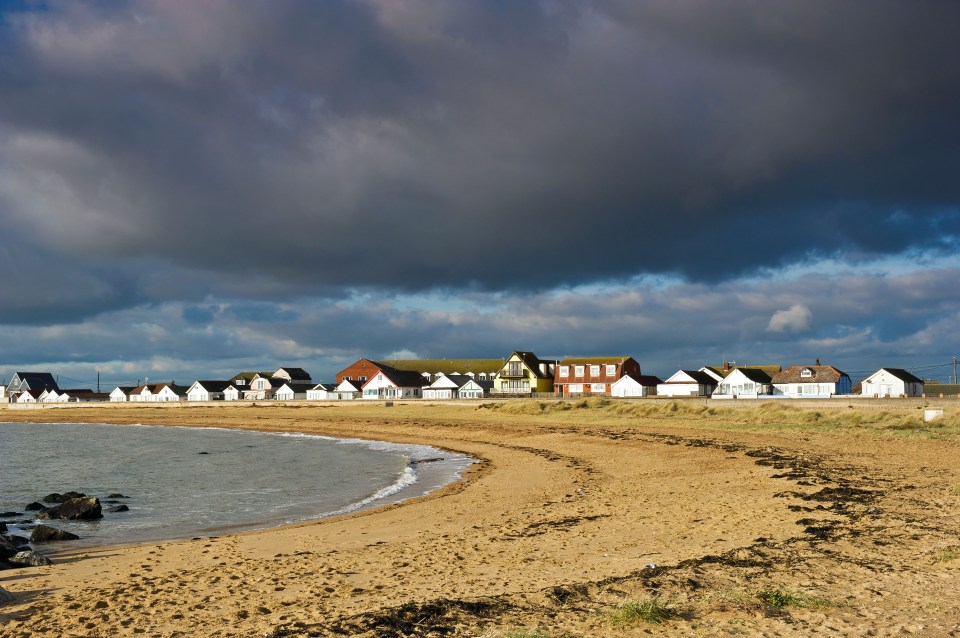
(472, 146)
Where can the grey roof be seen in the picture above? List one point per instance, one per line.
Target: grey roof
(37, 380)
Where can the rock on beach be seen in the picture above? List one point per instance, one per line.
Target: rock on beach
(85, 508)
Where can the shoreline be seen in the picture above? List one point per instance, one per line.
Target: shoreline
(567, 517)
(426, 469)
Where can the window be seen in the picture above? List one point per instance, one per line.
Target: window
(564, 371)
(576, 388)
(598, 387)
(514, 368)
(611, 370)
(578, 371)
(594, 371)
(806, 372)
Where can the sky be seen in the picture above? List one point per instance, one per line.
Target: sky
(191, 189)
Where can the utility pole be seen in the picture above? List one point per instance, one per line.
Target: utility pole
(954, 371)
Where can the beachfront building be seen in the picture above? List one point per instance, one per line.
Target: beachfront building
(121, 393)
(689, 383)
(591, 376)
(262, 386)
(207, 390)
(891, 382)
(811, 382)
(635, 385)
(83, 395)
(394, 384)
(346, 391)
(457, 386)
(232, 393)
(158, 393)
(4, 397)
(745, 383)
(28, 396)
(22, 381)
(321, 392)
(363, 370)
(524, 374)
(292, 391)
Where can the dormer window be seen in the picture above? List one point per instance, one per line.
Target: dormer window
(806, 373)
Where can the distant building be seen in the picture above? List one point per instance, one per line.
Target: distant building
(811, 382)
(591, 376)
(891, 382)
(23, 381)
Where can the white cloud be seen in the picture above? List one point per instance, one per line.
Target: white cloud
(795, 319)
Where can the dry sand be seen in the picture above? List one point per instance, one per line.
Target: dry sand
(735, 524)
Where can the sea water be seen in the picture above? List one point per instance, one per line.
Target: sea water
(184, 482)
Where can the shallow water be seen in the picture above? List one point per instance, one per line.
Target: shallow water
(187, 482)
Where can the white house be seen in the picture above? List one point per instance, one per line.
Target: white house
(29, 396)
(207, 390)
(262, 387)
(83, 395)
(891, 382)
(231, 393)
(635, 385)
(321, 392)
(50, 396)
(157, 393)
(3, 394)
(475, 388)
(346, 391)
(121, 394)
(445, 387)
(744, 383)
(688, 383)
(811, 382)
(292, 391)
(394, 384)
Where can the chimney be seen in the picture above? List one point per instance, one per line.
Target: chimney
(818, 361)
(726, 366)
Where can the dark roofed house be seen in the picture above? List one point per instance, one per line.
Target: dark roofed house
(524, 373)
(811, 382)
(747, 382)
(688, 383)
(892, 382)
(207, 390)
(294, 375)
(23, 381)
(394, 384)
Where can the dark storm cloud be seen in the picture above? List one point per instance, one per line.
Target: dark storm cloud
(469, 145)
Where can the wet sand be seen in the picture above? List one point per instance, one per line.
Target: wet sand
(732, 526)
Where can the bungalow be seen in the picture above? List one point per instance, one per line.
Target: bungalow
(394, 384)
(158, 393)
(892, 382)
(475, 388)
(811, 382)
(347, 390)
(262, 386)
(28, 396)
(523, 373)
(457, 386)
(635, 385)
(231, 393)
(83, 395)
(321, 392)
(4, 398)
(292, 391)
(744, 383)
(121, 393)
(207, 390)
(50, 396)
(688, 383)
(579, 376)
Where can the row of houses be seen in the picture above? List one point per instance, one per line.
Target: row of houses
(521, 374)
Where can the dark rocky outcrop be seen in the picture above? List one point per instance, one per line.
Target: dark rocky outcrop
(3, 527)
(86, 508)
(44, 534)
(116, 495)
(5, 596)
(7, 548)
(118, 508)
(10, 514)
(30, 559)
(35, 507)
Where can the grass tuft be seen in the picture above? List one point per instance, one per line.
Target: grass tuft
(951, 552)
(780, 598)
(650, 611)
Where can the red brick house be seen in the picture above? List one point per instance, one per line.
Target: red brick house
(591, 376)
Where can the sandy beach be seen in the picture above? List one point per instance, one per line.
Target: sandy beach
(768, 521)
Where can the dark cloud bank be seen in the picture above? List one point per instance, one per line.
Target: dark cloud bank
(155, 152)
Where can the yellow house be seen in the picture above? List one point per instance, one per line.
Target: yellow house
(526, 374)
